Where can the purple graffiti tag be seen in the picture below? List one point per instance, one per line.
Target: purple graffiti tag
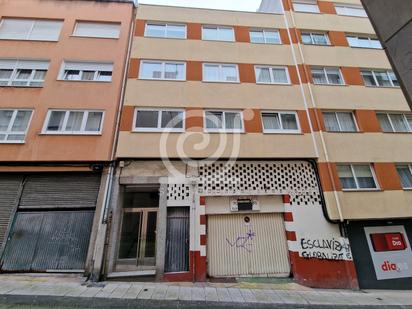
(242, 241)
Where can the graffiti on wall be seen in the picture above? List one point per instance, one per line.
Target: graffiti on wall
(337, 249)
(243, 241)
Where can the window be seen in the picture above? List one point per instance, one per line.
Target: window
(14, 124)
(223, 121)
(395, 122)
(350, 10)
(163, 30)
(97, 29)
(265, 36)
(363, 42)
(379, 78)
(306, 6)
(167, 70)
(218, 33)
(23, 73)
(86, 71)
(327, 76)
(405, 173)
(30, 29)
(73, 122)
(339, 122)
(271, 75)
(357, 177)
(220, 73)
(152, 120)
(280, 122)
(315, 38)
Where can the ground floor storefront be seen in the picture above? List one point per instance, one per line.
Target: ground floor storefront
(382, 253)
(207, 220)
(47, 218)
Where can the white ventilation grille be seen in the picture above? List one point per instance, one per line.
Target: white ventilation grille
(296, 178)
(178, 194)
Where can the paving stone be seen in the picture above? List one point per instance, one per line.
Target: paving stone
(198, 294)
(160, 292)
(235, 295)
(211, 294)
(185, 293)
(120, 290)
(290, 297)
(76, 292)
(107, 290)
(172, 293)
(90, 292)
(248, 296)
(146, 292)
(273, 297)
(261, 296)
(223, 295)
(133, 291)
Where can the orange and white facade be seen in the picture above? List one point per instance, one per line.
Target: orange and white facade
(267, 136)
(62, 68)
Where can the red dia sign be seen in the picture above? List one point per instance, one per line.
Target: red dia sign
(388, 242)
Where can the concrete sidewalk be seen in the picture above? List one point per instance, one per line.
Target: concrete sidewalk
(282, 295)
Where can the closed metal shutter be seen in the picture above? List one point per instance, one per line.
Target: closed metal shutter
(60, 190)
(9, 194)
(177, 239)
(257, 248)
(49, 240)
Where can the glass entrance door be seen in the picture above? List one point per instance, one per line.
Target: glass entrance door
(137, 248)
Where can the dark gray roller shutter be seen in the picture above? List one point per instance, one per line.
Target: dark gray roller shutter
(60, 190)
(9, 194)
(177, 239)
(49, 240)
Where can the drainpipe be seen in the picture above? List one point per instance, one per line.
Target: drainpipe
(99, 253)
(323, 143)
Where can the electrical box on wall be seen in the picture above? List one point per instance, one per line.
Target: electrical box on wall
(244, 204)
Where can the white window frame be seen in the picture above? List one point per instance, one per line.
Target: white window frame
(159, 120)
(86, 66)
(66, 117)
(306, 2)
(11, 123)
(408, 126)
(33, 23)
(220, 65)
(95, 36)
(357, 37)
(218, 29)
(264, 31)
(338, 121)
(377, 187)
(344, 7)
(272, 79)
(223, 129)
(376, 80)
(163, 63)
(311, 33)
(166, 25)
(282, 131)
(410, 171)
(326, 75)
(19, 64)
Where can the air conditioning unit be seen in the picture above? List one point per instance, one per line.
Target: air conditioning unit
(244, 203)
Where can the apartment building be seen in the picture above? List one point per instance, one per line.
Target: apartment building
(62, 67)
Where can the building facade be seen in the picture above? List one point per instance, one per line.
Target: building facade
(306, 102)
(62, 68)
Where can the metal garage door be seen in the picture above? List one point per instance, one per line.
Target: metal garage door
(247, 245)
(9, 194)
(52, 226)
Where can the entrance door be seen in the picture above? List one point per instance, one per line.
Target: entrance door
(247, 245)
(137, 250)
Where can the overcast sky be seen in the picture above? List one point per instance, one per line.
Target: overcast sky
(238, 5)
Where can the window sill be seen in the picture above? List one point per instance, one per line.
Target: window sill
(274, 84)
(282, 133)
(219, 82)
(26, 40)
(159, 37)
(162, 80)
(12, 142)
(14, 86)
(317, 45)
(333, 85)
(362, 190)
(70, 134)
(345, 132)
(351, 16)
(403, 133)
(383, 87)
(157, 131)
(222, 41)
(224, 132)
(92, 37)
(304, 12)
(368, 48)
(263, 43)
(85, 81)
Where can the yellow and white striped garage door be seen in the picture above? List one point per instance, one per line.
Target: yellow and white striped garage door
(247, 245)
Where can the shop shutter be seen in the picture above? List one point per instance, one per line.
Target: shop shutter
(9, 194)
(60, 190)
(247, 245)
